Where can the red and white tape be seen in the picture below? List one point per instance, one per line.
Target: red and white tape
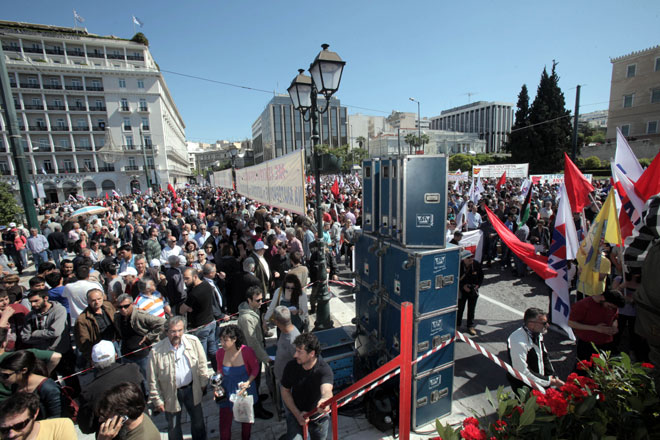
(500, 363)
(365, 390)
(434, 350)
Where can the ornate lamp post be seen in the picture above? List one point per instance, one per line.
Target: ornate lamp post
(326, 73)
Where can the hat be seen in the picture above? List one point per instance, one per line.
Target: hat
(466, 254)
(154, 263)
(129, 271)
(103, 351)
(260, 245)
(182, 260)
(12, 225)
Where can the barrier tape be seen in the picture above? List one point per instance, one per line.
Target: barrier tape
(500, 363)
(433, 350)
(365, 390)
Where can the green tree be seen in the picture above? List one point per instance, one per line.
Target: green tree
(140, 38)
(10, 210)
(519, 141)
(361, 140)
(461, 162)
(550, 129)
(592, 162)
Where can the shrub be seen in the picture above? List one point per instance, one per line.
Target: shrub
(592, 162)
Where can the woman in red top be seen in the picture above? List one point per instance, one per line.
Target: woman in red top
(239, 367)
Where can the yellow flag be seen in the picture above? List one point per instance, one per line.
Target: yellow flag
(592, 267)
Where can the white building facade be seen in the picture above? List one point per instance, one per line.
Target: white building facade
(92, 111)
(491, 121)
(391, 144)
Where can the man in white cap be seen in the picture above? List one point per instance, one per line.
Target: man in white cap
(262, 271)
(468, 289)
(107, 373)
(130, 276)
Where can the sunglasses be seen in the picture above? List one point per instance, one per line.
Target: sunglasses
(124, 307)
(16, 427)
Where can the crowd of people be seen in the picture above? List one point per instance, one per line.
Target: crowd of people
(158, 293)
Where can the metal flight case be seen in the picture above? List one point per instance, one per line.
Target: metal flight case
(432, 395)
(422, 201)
(385, 194)
(428, 278)
(338, 350)
(367, 260)
(370, 195)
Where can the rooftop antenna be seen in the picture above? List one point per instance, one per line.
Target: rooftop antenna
(469, 95)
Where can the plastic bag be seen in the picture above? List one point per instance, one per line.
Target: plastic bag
(243, 411)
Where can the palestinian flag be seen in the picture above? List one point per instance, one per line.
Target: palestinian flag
(523, 215)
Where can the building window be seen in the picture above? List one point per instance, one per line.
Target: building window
(129, 142)
(124, 104)
(131, 162)
(60, 123)
(40, 123)
(68, 165)
(96, 84)
(625, 130)
(88, 164)
(83, 142)
(631, 70)
(127, 124)
(147, 141)
(628, 100)
(143, 104)
(33, 81)
(122, 83)
(76, 83)
(140, 83)
(655, 96)
(82, 123)
(652, 127)
(48, 165)
(145, 123)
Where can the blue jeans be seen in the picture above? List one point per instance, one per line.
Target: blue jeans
(58, 255)
(39, 257)
(197, 426)
(316, 430)
(23, 254)
(207, 337)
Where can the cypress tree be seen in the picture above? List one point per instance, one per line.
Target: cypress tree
(518, 144)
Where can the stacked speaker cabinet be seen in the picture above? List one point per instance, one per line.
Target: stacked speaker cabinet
(401, 256)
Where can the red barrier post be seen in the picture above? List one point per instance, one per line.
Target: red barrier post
(335, 430)
(405, 379)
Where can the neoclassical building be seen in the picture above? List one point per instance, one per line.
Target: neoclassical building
(93, 112)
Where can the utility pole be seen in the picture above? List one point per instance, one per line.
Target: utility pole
(16, 148)
(575, 122)
(146, 165)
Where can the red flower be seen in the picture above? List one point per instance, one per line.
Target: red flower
(472, 432)
(553, 401)
(584, 365)
(470, 421)
(647, 365)
(594, 356)
(500, 425)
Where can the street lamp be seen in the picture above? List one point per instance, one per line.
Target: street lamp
(419, 122)
(326, 73)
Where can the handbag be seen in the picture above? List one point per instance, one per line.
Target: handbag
(243, 411)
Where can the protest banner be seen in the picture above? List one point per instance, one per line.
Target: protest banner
(513, 170)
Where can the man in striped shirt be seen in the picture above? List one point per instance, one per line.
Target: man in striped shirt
(150, 300)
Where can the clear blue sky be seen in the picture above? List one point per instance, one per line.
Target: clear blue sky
(436, 51)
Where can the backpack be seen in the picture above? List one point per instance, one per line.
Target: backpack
(70, 407)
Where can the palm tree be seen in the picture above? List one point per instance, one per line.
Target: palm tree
(361, 140)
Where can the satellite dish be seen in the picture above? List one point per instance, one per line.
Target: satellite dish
(110, 152)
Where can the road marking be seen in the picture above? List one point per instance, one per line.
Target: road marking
(504, 306)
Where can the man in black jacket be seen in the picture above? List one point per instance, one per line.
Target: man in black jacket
(107, 373)
(57, 244)
(468, 289)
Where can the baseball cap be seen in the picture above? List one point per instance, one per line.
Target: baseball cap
(260, 245)
(154, 263)
(12, 225)
(103, 351)
(129, 271)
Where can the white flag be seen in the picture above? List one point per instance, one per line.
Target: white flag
(77, 17)
(137, 21)
(460, 218)
(473, 241)
(625, 160)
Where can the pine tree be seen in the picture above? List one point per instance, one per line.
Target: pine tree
(551, 125)
(518, 144)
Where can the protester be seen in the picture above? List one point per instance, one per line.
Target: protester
(20, 419)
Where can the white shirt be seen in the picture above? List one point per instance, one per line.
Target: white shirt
(76, 293)
(200, 239)
(182, 370)
(165, 253)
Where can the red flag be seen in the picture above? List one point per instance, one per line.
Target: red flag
(524, 251)
(106, 196)
(501, 181)
(648, 183)
(578, 187)
(335, 189)
(170, 188)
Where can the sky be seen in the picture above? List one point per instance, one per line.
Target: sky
(442, 53)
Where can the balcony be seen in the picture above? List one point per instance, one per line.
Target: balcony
(145, 128)
(135, 57)
(75, 53)
(95, 55)
(30, 85)
(132, 168)
(5, 172)
(62, 148)
(53, 86)
(124, 108)
(12, 84)
(112, 56)
(97, 108)
(34, 106)
(81, 128)
(131, 147)
(97, 128)
(33, 50)
(11, 47)
(95, 88)
(56, 107)
(128, 127)
(67, 170)
(55, 51)
(17, 105)
(84, 148)
(73, 87)
(106, 169)
(36, 148)
(77, 108)
(59, 128)
(143, 109)
(38, 128)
